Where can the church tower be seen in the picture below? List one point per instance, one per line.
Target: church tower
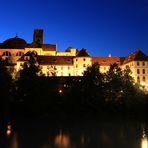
(38, 36)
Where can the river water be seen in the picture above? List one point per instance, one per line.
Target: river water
(100, 133)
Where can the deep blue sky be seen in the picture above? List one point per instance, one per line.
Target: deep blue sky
(118, 27)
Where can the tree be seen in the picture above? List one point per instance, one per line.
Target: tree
(5, 88)
(113, 85)
(28, 77)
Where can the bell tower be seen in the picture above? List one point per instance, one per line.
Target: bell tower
(38, 36)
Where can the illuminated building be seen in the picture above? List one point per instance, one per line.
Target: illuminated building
(72, 62)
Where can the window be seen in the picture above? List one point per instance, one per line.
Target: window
(138, 71)
(104, 68)
(6, 53)
(76, 59)
(143, 79)
(138, 79)
(61, 67)
(68, 67)
(137, 63)
(143, 71)
(19, 53)
(143, 63)
(76, 65)
(84, 59)
(84, 65)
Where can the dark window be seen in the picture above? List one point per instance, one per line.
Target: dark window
(137, 63)
(61, 67)
(143, 79)
(143, 71)
(138, 79)
(76, 59)
(143, 63)
(76, 65)
(84, 59)
(19, 53)
(6, 53)
(138, 71)
(84, 65)
(68, 67)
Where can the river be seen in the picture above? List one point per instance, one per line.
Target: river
(88, 133)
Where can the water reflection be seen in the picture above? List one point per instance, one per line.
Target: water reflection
(9, 129)
(62, 140)
(111, 134)
(144, 140)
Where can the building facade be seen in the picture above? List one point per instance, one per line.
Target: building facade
(72, 62)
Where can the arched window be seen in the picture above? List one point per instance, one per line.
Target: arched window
(6, 53)
(138, 79)
(143, 79)
(138, 71)
(19, 53)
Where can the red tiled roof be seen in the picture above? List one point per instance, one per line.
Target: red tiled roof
(136, 56)
(55, 60)
(106, 61)
(49, 47)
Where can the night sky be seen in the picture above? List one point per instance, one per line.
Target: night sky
(102, 27)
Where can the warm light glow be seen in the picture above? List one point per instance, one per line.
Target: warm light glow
(144, 140)
(60, 91)
(8, 131)
(62, 140)
(144, 143)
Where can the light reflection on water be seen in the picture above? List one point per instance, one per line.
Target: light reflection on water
(79, 135)
(144, 140)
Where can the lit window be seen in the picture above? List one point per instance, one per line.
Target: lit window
(138, 71)
(137, 63)
(143, 71)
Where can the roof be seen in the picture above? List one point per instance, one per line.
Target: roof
(106, 61)
(136, 56)
(49, 47)
(55, 60)
(14, 43)
(83, 53)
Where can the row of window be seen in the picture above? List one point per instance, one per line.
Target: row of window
(143, 71)
(83, 59)
(7, 53)
(143, 63)
(84, 65)
(143, 79)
